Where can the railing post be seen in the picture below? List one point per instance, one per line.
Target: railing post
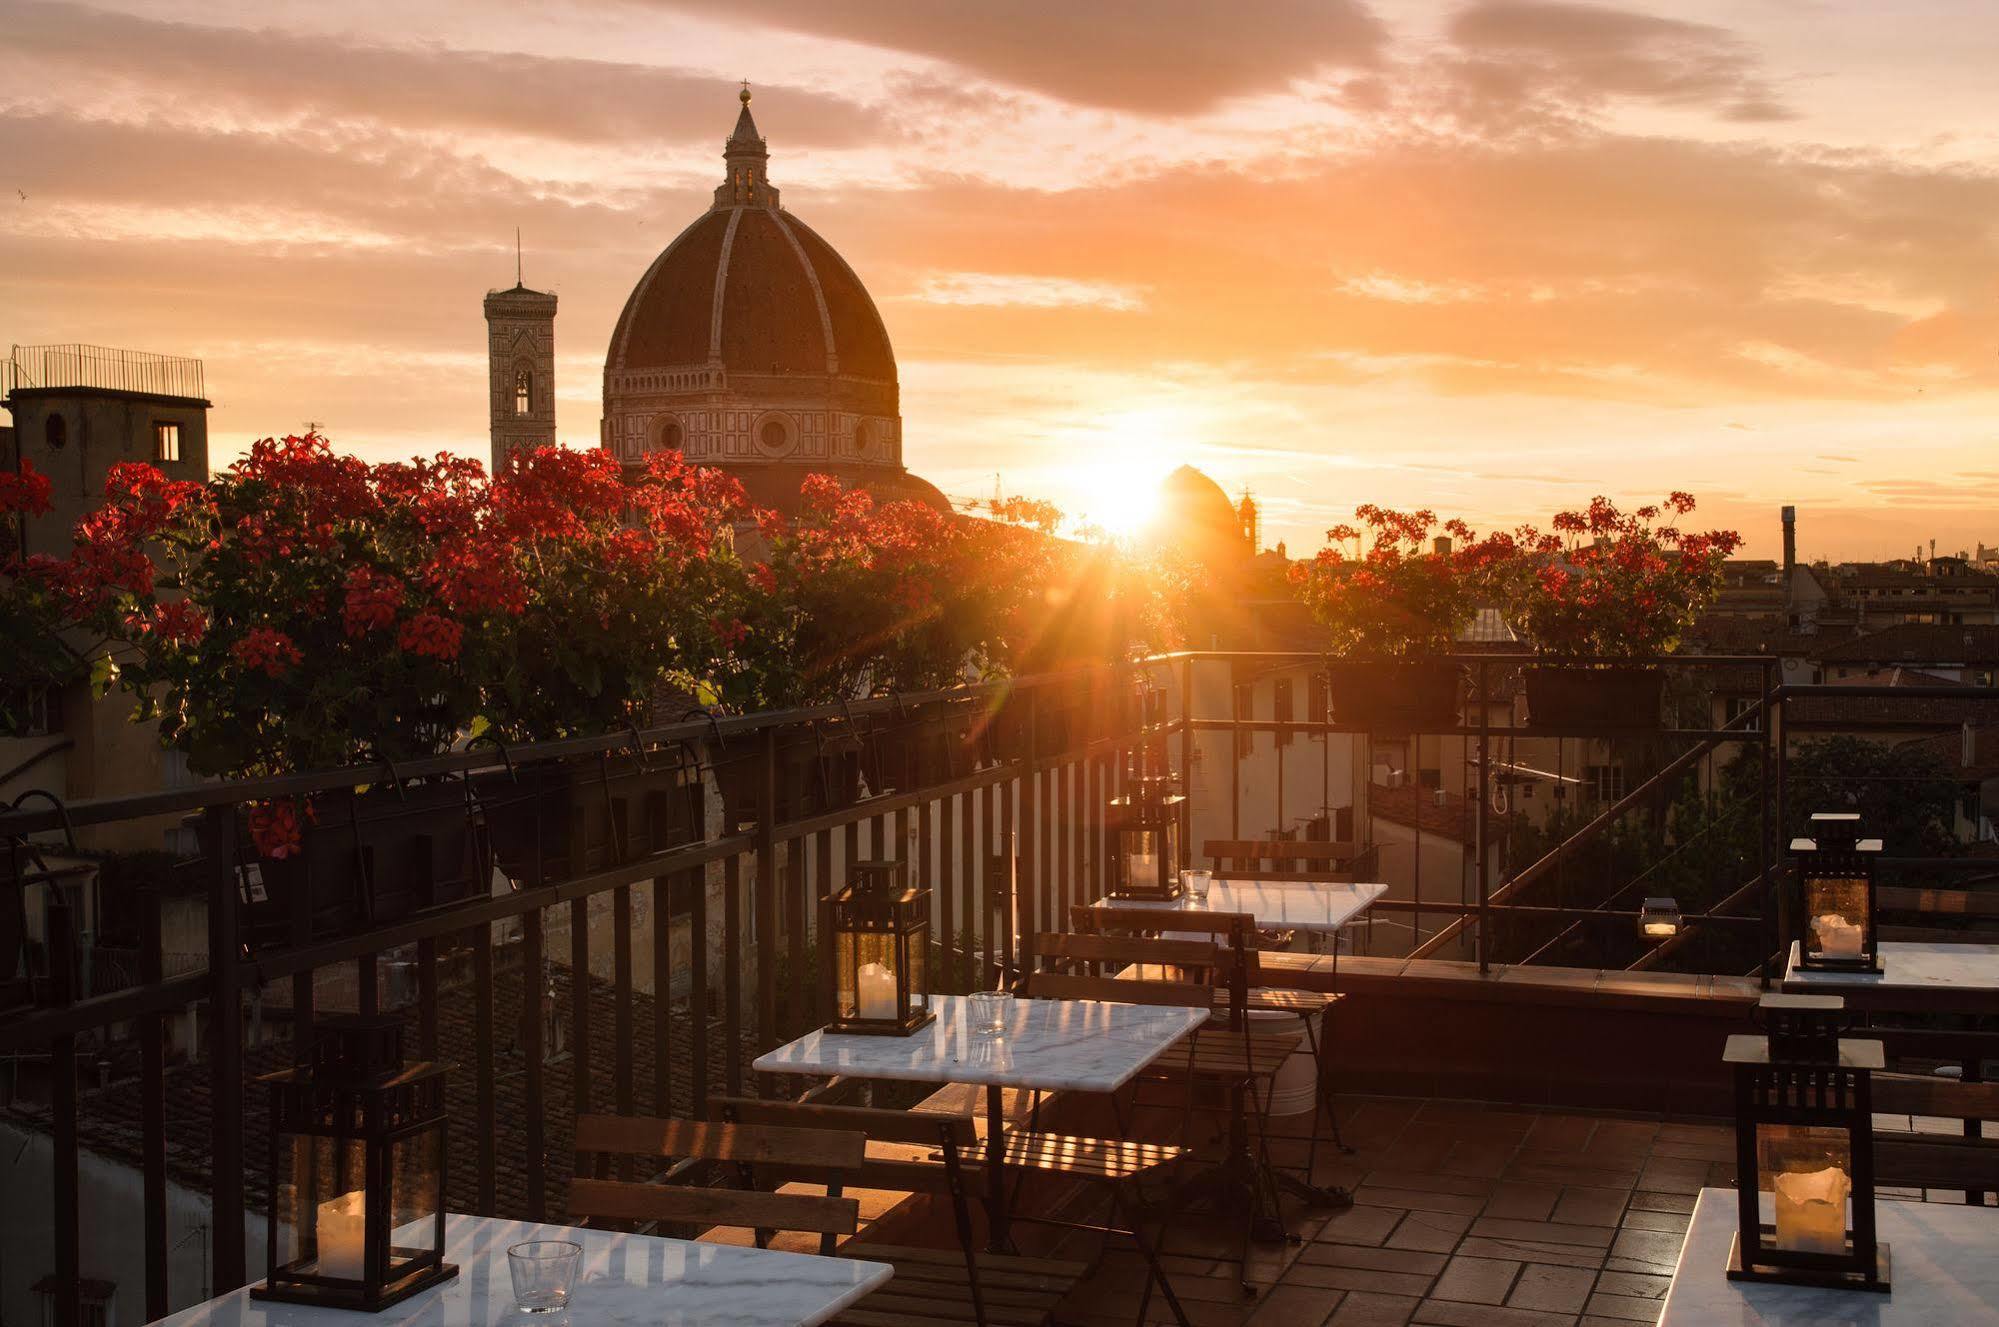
(1776, 900)
(766, 896)
(225, 1040)
(153, 1106)
(62, 1108)
(1484, 848)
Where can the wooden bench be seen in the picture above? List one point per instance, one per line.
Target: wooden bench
(1935, 1160)
(930, 1288)
(1936, 905)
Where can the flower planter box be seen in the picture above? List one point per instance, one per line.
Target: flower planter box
(815, 773)
(1390, 697)
(362, 858)
(1628, 699)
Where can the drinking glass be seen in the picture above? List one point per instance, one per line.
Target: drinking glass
(1194, 884)
(989, 1012)
(544, 1270)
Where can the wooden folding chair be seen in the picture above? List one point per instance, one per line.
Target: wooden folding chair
(1004, 1289)
(1198, 974)
(928, 1288)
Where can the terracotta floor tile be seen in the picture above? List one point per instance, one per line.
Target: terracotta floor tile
(1295, 1306)
(1414, 1261)
(1445, 1313)
(1583, 1206)
(1624, 1309)
(1639, 1219)
(1357, 1278)
(1569, 1132)
(1645, 1200)
(1366, 1309)
(1634, 1285)
(1528, 1250)
(1417, 1200)
(1551, 1289)
(1363, 1223)
(1428, 1181)
(1521, 1201)
(1547, 1232)
(1659, 1248)
(1433, 1232)
(1476, 1280)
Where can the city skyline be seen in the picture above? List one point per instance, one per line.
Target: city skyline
(1488, 258)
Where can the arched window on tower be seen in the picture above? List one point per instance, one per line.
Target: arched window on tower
(523, 392)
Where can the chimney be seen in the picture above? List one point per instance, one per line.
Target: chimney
(1790, 566)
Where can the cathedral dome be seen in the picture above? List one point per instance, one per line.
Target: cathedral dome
(751, 345)
(753, 290)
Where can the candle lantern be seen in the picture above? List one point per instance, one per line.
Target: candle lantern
(1804, 1150)
(1659, 919)
(1834, 902)
(881, 952)
(1145, 842)
(356, 1200)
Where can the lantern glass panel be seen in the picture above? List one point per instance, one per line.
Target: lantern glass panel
(917, 958)
(1835, 916)
(1805, 1177)
(867, 975)
(1145, 854)
(415, 1196)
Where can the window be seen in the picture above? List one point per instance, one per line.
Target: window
(523, 392)
(775, 435)
(1604, 782)
(1282, 710)
(1316, 699)
(1245, 710)
(1740, 705)
(166, 440)
(55, 432)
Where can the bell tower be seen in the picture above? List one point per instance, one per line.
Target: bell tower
(520, 359)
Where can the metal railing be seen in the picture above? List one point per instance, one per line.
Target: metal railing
(104, 368)
(706, 847)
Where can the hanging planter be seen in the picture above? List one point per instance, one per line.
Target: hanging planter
(1393, 697)
(347, 859)
(1619, 698)
(554, 820)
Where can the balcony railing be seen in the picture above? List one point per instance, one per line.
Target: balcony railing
(104, 368)
(677, 934)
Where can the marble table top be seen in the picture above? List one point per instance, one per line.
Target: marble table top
(624, 1281)
(1297, 905)
(1052, 1045)
(1943, 1268)
(1908, 965)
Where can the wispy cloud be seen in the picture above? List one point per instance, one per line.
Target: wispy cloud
(994, 289)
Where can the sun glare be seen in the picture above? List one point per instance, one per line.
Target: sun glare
(1124, 457)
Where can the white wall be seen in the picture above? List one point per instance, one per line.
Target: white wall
(110, 1201)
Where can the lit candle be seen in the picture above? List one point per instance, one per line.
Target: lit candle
(1837, 937)
(1811, 1210)
(342, 1234)
(877, 991)
(1143, 868)
(1660, 930)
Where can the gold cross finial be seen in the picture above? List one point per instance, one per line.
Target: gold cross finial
(744, 95)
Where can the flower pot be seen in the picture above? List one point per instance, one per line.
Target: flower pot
(361, 859)
(1628, 699)
(815, 772)
(1393, 697)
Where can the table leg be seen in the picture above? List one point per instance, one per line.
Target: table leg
(999, 1236)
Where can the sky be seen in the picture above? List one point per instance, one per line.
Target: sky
(1488, 258)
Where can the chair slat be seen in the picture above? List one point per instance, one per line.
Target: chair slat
(875, 1123)
(636, 1135)
(1945, 1098)
(1063, 986)
(1127, 949)
(618, 1200)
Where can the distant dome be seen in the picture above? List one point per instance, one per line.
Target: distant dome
(751, 345)
(1189, 498)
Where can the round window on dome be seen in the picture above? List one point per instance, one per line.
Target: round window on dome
(774, 435)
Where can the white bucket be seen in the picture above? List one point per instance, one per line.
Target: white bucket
(1295, 1088)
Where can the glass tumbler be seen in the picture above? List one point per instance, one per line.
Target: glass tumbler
(989, 1012)
(1194, 884)
(544, 1271)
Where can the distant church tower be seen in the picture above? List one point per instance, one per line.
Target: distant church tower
(520, 358)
